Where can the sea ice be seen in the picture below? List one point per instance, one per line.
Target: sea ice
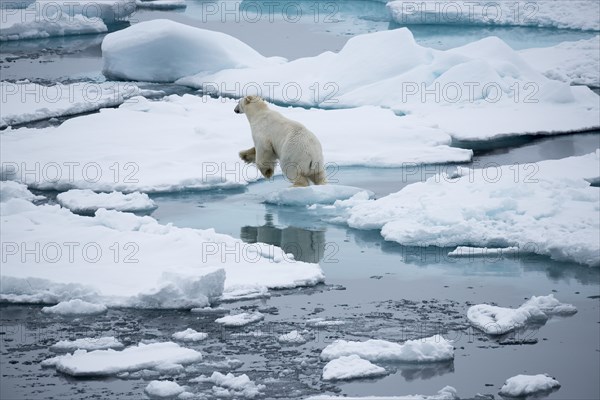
(527, 385)
(163, 389)
(190, 335)
(293, 337)
(18, 24)
(431, 349)
(351, 367)
(232, 386)
(101, 343)
(111, 362)
(495, 320)
(446, 393)
(161, 4)
(240, 319)
(87, 201)
(315, 194)
(14, 190)
(75, 307)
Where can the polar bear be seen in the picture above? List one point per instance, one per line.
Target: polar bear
(279, 138)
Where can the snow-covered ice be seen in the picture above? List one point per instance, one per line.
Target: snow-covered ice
(577, 63)
(322, 322)
(121, 259)
(161, 4)
(322, 194)
(466, 251)
(17, 25)
(481, 91)
(495, 320)
(527, 385)
(163, 389)
(25, 101)
(351, 367)
(446, 393)
(431, 349)
(232, 386)
(87, 201)
(240, 319)
(179, 143)
(15, 190)
(100, 343)
(190, 335)
(163, 51)
(562, 14)
(111, 362)
(292, 337)
(548, 208)
(75, 307)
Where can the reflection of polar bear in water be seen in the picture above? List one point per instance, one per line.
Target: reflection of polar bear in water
(278, 138)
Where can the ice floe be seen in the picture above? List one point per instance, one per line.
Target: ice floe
(562, 14)
(75, 307)
(242, 319)
(111, 362)
(17, 25)
(446, 393)
(547, 208)
(351, 367)
(527, 385)
(431, 349)
(101, 343)
(466, 251)
(87, 201)
(190, 335)
(14, 190)
(293, 337)
(163, 389)
(121, 259)
(495, 320)
(179, 143)
(161, 4)
(232, 386)
(323, 194)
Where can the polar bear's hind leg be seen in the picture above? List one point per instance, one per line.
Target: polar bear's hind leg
(301, 181)
(318, 178)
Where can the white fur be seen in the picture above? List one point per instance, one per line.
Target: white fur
(279, 138)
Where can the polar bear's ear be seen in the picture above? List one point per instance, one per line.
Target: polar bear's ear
(252, 99)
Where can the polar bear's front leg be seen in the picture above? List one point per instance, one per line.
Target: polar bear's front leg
(249, 156)
(265, 161)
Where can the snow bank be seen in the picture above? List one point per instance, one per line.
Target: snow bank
(75, 307)
(178, 143)
(546, 208)
(527, 385)
(14, 190)
(87, 201)
(163, 389)
(121, 259)
(447, 393)
(562, 14)
(293, 337)
(161, 4)
(576, 63)
(242, 319)
(26, 24)
(495, 320)
(481, 91)
(324, 194)
(351, 367)
(164, 51)
(24, 101)
(431, 349)
(232, 386)
(111, 362)
(190, 335)
(101, 343)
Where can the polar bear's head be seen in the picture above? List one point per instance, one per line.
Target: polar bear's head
(247, 102)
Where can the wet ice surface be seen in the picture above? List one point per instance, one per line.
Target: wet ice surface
(378, 289)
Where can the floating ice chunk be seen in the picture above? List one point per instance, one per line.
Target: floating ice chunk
(163, 389)
(351, 367)
(245, 292)
(164, 51)
(26, 24)
(293, 337)
(87, 201)
(111, 362)
(190, 335)
(75, 307)
(575, 63)
(431, 349)
(495, 320)
(315, 194)
(240, 319)
(15, 190)
(321, 322)
(19, 106)
(562, 14)
(546, 208)
(232, 386)
(161, 4)
(527, 385)
(102, 343)
(466, 251)
(447, 393)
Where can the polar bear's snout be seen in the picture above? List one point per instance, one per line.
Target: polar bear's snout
(237, 109)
